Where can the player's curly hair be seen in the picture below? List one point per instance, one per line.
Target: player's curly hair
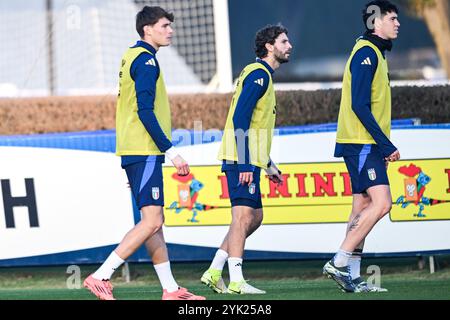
(150, 16)
(268, 34)
(384, 7)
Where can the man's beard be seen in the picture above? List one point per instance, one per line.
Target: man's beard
(281, 59)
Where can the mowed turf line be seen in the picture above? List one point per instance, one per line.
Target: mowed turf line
(283, 280)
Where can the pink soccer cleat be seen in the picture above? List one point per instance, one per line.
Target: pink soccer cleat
(102, 289)
(180, 294)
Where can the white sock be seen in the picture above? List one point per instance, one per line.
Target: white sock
(341, 258)
(355, 267)
(219, 260)
(165, 276)
(108, 267)
(235, 269)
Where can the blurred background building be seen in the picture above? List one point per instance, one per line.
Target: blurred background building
(323, 33)
(73, 47)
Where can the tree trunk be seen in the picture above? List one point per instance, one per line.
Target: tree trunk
(437, 18)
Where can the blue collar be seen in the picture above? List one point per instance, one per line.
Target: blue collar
(265, 64)
(145, 45)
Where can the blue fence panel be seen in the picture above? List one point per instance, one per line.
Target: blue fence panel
(105, 141)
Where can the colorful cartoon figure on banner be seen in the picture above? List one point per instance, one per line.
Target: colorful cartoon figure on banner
(415, 187)
(188, 191)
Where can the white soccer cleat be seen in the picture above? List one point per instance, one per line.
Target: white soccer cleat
(362, 286)
(341, 275)
(242, 287)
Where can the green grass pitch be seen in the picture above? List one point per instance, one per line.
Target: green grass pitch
(283, 280)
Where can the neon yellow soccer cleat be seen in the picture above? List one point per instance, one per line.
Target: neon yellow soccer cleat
(213, 279)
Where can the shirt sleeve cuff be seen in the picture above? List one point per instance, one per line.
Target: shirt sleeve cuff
(272, 169)
(171, 153)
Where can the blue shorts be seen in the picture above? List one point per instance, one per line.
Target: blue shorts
(366, 171)
(244, 195)
(146, 182)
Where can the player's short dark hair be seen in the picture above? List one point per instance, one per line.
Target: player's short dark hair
(150, 16)
(385, 8)
(268, 34)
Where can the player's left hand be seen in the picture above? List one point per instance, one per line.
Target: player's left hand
(181, 165)
(394, 156)
(277, 179)
(274, 174)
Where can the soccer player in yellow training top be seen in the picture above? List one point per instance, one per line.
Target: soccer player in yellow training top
(245, 150)
(363, 132)
(143, 127)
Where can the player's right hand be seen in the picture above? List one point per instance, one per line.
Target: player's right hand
(394, 157)
(181, 165)
(246, 178)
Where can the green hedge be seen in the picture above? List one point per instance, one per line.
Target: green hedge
(68, 114)
(430, 104)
